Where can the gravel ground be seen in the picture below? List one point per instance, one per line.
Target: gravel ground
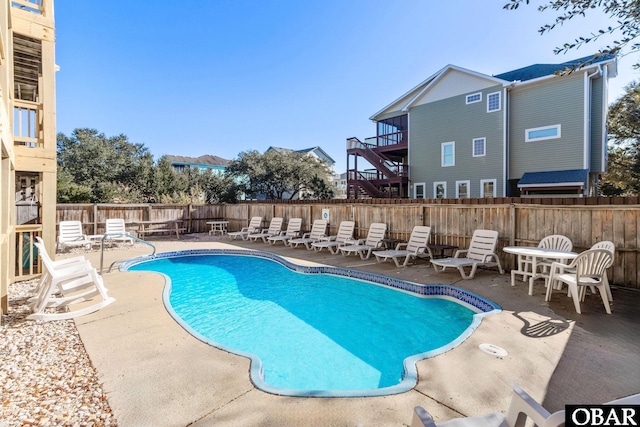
(46, 377)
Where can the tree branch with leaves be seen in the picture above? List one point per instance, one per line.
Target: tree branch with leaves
(624, 14)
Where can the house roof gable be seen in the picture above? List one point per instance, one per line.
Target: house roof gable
(206, 160)
(407, 100)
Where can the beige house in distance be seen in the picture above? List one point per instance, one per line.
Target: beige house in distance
(27, 137)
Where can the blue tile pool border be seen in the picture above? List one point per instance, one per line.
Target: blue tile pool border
(482, 306)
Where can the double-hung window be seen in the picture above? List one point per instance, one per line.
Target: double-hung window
(418, 189)
(440, 190)
(448, 154)
(462, 189)
(479, 147)
(487, 188)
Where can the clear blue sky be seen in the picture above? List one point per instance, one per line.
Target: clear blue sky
(220, 77)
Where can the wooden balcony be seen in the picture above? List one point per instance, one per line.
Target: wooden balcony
(27, 125)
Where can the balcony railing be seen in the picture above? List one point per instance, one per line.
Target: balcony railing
(392, 139)
(34, 6)
(27, 123)
(27, 263)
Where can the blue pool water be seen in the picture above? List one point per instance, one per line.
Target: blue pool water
(314, 334)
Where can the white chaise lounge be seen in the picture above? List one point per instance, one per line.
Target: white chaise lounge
(318, 230)
(253, 227)
(481, 252)
(332, 243)
(364, 247)
(417, 246)
(293, 230)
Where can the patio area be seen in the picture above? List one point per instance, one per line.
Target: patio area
(155, 373)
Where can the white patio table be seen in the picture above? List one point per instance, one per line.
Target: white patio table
(536, 254)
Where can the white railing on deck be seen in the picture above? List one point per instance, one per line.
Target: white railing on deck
(27, 262)
(26, 123)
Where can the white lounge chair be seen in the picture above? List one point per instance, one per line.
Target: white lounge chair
(275, 228)
(522, 406)
(364, 247)
(116, 231)
(589, 268)
(64, 285)
(293, 230)
(70, 234)
(253, 227)
(481, 252)
(417, 246)
(332, 243)
(318, 230)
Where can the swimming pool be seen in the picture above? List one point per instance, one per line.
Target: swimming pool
(320, 331)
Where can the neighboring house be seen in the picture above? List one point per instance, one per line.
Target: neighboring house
(316, 152)
(340, 185)
(27, 138)
(207, 162)
(461, 134)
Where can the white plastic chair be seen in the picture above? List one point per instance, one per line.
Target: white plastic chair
(293, 230)
(587, 269)
(275, 227)
(254, 225)
(415, 247)
(64, 285)
(70, 234)
(332, 243)
(318, 230)
(364, 247)
(116, 230)
(522, 406)
(481, 252)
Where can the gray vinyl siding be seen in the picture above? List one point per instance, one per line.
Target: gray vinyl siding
(449, 120)
(597, 144)
(551, 102)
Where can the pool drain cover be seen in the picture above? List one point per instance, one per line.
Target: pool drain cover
(493, 350)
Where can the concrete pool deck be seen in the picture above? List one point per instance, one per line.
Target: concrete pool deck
(156, 374)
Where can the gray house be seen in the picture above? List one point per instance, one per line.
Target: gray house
(461, 133)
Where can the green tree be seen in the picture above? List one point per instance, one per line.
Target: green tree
(275, 174)
(70, 192)
(623, 177)
(113, 168)
(624, 15)
(319, 189)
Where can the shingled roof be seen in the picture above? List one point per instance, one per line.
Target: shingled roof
(207, 159)
(540, 70)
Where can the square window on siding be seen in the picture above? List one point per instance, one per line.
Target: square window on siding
(542, 133)
(419, 190)
(439, 190)
(475, 97)
(493, 102)
(462, 189)
(488, 188)
(448, 154)
(479, 147)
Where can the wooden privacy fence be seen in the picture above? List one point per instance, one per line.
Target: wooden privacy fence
(453, 224)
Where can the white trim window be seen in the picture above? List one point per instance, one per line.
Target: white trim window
(542, 133)
(473, 98)
(440, 190)
(419, 190)
(462, 189)
(487, 188)
(494, 102)
(448, 154)
(479, 146)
